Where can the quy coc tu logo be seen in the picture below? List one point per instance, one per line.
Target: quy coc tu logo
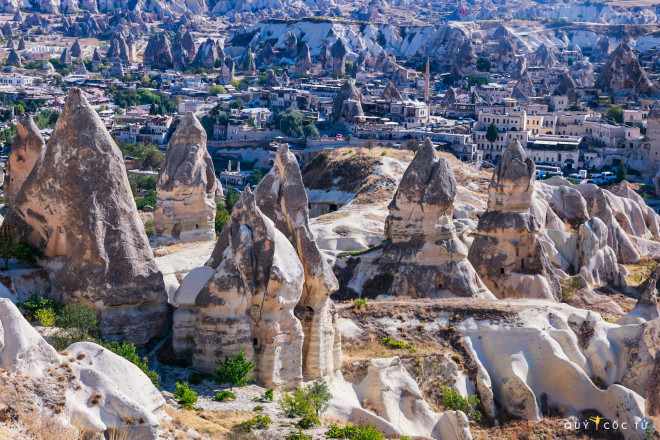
(645, 426)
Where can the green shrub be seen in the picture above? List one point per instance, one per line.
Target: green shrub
(455, 402)
(34, 303)
(78, 323)
(359, 304)
(265, 397)
(298, 436)
(128, 352)
(257, 422)
(351, 432)
(149, 228)
(46, 317)
(234, 370)
(391, 343)
(268, 395)
(308, 421)
(258, 408)
(186, 397)
(224, 396)
(312, 399)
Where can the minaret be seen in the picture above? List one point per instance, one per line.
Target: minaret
(229, 165)
(427, 77)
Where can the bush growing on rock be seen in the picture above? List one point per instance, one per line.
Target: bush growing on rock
(391, 343)
(46, 317)
(224, 396)
(128, 352)
(234, 370)
(257, 422)
(34, 303)
(78, 323)
(306, 400)
(186, 397)
(455, 402)
(352, 432)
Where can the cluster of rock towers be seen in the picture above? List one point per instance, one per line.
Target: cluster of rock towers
(266, 288)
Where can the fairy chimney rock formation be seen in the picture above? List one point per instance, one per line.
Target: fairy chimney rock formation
(185, 209)
(25, 150)
(77, 208)
(282, 198)
(506, 252)
(422, 250)
(248, 304)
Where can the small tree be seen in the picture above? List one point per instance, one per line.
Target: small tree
(319, 396)
(310, 130)
(492, 134)
(10, 249)
(621, 173)
(615, 113)
(234, 370)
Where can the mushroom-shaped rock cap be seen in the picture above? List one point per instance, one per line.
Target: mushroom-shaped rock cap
(428, 180)
(187, 161)
(189, 130)
(515, 170)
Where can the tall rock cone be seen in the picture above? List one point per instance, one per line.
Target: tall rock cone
(186, 207)
(422, 251)
(282, 198)
(506, 252)
(25, 150)
(76, 206)
(248, 302)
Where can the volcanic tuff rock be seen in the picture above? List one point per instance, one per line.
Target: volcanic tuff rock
(338, 53)
(14, 58)
(304, 61)
(185, 209)
(208, 53)
(391, 93)
(120, 48)
(76, 50)
(422, 250)
(62, 387)
(506, 252)
(249, 302)
(597, 261)
(187, 43)
(25, 150)
(566, 84)
(65, 58)
(544, 57)
(158, 52)
(76, 206)
(265, 57)
(281, 196)
(623, 73)
(348, 103)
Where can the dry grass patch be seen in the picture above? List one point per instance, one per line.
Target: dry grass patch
(640, 272)
(215, 424)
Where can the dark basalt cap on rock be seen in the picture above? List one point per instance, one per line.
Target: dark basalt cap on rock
(187, 162)
(428, 180)
(514, 167)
